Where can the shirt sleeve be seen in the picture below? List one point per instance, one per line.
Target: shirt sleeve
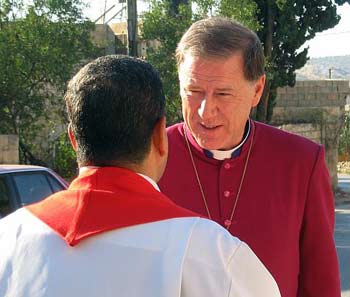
(218, 264)
(319, 271)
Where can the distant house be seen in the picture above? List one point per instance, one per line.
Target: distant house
(113, 38)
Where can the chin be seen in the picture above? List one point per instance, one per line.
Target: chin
(208, 145)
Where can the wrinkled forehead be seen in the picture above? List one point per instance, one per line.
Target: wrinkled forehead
(190, 60)
(194, 68)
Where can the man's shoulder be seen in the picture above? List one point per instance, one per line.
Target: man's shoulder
(285, 140)
(207, 233)
(12, 219)
(21, 220)
(211, 245)
(203, 230)
(175, 130)
(176, 138)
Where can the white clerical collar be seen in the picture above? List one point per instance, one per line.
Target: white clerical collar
(84, 168)
(222, 155)
(150, 180)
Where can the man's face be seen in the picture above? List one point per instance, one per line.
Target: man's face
(217, 99)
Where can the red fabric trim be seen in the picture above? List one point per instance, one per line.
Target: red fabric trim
(104, 199)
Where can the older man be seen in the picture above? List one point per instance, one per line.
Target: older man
(266, 186)
(112, 233)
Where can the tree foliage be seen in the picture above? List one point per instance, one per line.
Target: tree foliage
(344, 137)
(40, 43)
(166, 28)
(284, 28)
(65, 161)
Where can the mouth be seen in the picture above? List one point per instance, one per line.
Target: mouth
(209, 127)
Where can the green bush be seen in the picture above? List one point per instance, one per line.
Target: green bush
(344, 139)
(65, 162)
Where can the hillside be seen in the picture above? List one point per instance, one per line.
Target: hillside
(318, 68)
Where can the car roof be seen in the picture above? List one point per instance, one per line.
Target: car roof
(10, 168)
(6, 168)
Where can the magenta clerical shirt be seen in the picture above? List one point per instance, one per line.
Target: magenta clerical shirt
(285, 210)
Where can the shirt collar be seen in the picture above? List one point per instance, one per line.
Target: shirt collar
(232, 153)
(150, 180)
(104, 199)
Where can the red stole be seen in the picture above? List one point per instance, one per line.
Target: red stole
(104, 199)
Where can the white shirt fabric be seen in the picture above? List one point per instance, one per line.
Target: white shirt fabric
(171, 258)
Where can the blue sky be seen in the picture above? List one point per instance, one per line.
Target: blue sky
(333, 42)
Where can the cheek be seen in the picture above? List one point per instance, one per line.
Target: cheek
(188, 108)
(230, 113)
(236, 118)
(190, 114)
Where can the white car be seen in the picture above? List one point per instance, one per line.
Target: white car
(25, 184)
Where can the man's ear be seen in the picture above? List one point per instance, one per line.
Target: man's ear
(259, 89)
(160, 138)
(72, 138)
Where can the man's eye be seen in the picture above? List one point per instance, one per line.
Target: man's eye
(193, 93)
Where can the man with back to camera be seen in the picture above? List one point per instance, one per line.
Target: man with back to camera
(112, 233)
(268, 187)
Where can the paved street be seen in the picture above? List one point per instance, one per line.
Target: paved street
(344, 182)
(342, 235)
(342, 239)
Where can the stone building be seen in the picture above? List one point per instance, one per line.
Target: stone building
(314, 109)
(9, 153)
(113, 38)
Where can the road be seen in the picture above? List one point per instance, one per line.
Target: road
(342, 240)
(342, 236)
(344, 182)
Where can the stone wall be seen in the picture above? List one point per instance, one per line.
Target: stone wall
(9, 149)
(314, 109)
(310, 131)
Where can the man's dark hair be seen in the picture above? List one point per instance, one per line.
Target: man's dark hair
(113, 104)
(219, 37)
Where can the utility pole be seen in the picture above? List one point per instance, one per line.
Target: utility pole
(104, 12)
(132, 27)
(330, 73)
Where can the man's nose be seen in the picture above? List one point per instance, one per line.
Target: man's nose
(207, 108)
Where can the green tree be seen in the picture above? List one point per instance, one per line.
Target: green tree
(40, 44)
(165, 27)
(65, 162)
(344, 138)
(284, 27)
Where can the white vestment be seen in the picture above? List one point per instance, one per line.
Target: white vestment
(176, 257)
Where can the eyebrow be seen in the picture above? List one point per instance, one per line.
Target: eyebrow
(192, 86)
(224, 89)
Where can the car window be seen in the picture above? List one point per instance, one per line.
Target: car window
(4, 191)
(32, 187)
(56, 186)
(4, 197)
